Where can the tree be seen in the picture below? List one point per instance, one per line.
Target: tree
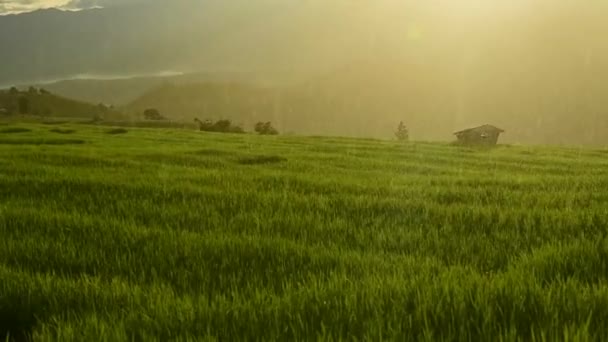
(32, 91)
(46, 112)
(153, 114)
(11, 107)
(265, 128)
(14, 91)
(206, 126)
(402, 133)
(97, 118)
(24, 105)
(223, 125)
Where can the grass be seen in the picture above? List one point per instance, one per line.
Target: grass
(259, 160)
(46, 141)
(12, 130)
(161, 235)
(117, 131)
(62, 131)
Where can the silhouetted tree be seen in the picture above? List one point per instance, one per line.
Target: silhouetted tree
(32, 91)
(152, 114)
(223, 125)
(204, 126)
(14, 91)
(265, 128)
(402, 133)
(236, 129)
(24, 105)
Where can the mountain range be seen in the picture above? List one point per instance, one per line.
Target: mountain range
(534, 68)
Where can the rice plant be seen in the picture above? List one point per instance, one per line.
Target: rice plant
(161, 235)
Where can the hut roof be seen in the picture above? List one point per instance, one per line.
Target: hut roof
(482, 128)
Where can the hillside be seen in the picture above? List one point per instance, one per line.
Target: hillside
(369, 100)
(121, 91)
(125, 40)
(239, 102)
(150, 37)
(357, 68)
(152, 234)
(41, 103)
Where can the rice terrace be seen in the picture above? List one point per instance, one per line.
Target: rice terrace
(303, 170)
(169, 234)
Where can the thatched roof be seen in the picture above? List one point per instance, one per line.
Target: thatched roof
(484, 128)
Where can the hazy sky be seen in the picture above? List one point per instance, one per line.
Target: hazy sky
(18, 6)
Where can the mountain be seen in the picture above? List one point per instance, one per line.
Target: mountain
(121, 91)
(533, 67)
(187, 35)
(369, 100)
(43, 104)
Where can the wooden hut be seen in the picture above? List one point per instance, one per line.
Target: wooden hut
(486, 135)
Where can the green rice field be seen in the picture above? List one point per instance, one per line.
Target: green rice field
(141, 234)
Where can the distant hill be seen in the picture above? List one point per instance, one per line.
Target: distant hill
(122, 91)
(239, 102)
(535, 68)
(370, 100)
(43, 104)
(186, 35)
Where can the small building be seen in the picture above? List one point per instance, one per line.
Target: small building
(486, 135)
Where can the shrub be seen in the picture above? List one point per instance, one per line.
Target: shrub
(96, 118)
(265, 128)
(24, 105)
(153, 114)
(220, 126)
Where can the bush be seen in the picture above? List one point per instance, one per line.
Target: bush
(265, 128)
(220, 126)
(153, 114)
(96, 118)
(24, 105)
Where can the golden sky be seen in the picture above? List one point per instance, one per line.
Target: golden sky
(20, 6)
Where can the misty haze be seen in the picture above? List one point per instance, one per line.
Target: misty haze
(303, 170)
